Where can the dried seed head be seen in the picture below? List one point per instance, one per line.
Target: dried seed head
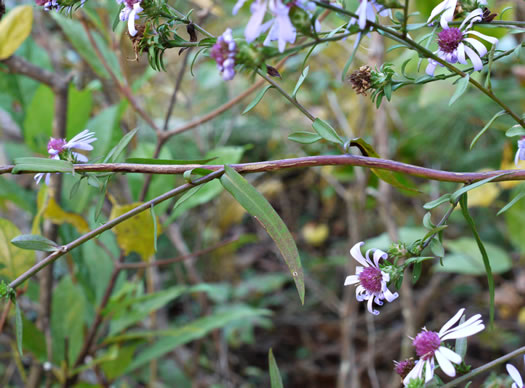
(136, 41)
(360, 80)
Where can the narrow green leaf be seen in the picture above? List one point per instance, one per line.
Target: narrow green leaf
(34, 242)
(515, 130)
(304, 137)
(487, 126)
(302, 78)
(416, 271)
(455, 195)
(483, 251)
(257, 99)
(512, 202)
(19, 328)
(275, 376)
(461, 87)
(41, 164)
(352, 56)
(120, 147)
(260, 208)
(326, 131)
(167, 161)
(435, 203)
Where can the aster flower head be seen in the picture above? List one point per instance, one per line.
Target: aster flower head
(520, 154)
(279, 27)
(455, 44)
(371, 280)
(129, 13)
(224, 51)
(515, 375)
(446, 8)
(429, 347)
(62, 149)
(402, 368)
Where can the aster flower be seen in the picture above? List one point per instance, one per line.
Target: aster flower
(367, 11)
(224, 51)
(455, 45)
(60, 149)
(372, 281)
(515, 375)
(50, 5)
(520, 154)
(129, 13)
(446, 8)
(280, 26)
(429, 347)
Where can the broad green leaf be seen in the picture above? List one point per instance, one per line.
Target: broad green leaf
(463, 201)
(19, 328)
(487, 126)
(15, 261)
(257, 99)
(258, 206)
(34, 242)
(78, 111)
(275, 376)
(37, 125)
(457, 194)
(41, 164)
(435, 203)
(302, 78)
(326, 131)
(68, 319)
(304, 137)
(172, 338)
(15, 27)
(385, 175)
(515, 130)
(461, 87)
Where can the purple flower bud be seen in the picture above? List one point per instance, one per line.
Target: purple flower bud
(224, 51)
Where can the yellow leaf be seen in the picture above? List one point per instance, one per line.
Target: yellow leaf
(15, 261)
(15, 27)
(55, 214)
(508, 164)
(137, 233)
(315, 234)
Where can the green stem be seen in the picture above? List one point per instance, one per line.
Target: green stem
(286, 95)
(405, 18)
(486, 367)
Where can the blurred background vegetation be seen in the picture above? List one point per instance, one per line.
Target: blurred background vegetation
(209, 320)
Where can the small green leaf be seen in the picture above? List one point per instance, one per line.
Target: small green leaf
(41, 165)
(461, 87)
(34, 242)
(435, 203)
(437, 248)
(19, 328)
(519, 196)
(455, 196)
(487, 126)
(302, 78)
(257, 99)
(515, 130)
(275, 376)
(260, 208)
(304, 137)
(463, 201)
(326, 131)
(120, 147)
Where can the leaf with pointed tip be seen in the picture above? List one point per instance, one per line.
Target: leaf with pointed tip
(257, 99)
(275, 376)
(260, 208)
(34, 242)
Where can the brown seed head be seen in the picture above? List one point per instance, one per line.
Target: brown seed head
(360, 80)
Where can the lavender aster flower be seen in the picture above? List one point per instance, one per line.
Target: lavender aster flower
(515, 375)
(224, 51)
(367, 11)
(129, 13)
(454, 44)
(372, 281)
(446, 8)
(59, 147)
(520, 154)
(429, 347)
(280, 26)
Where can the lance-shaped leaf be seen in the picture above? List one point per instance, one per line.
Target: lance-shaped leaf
(275, 376)
(34, 242)
(15, 27)
(258, 206)
(41, 164)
